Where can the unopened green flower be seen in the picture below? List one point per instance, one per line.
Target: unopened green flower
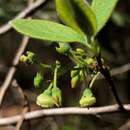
(57, 96)
(75, 80)
(31, 57)
(38, 80)
(23, 58)
(45, 99)
(88, 99)
(76, 75)
(63, 48)
(90, 61)
(73, 73)
(80, 51)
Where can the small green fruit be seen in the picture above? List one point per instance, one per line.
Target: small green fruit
(87, 99)
(57, 96)
(45, 99)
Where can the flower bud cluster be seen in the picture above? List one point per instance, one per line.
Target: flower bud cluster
(29, 58)
(76, 76)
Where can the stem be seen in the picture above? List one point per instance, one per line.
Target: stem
(74, 58)
(55, 76)
(50, 86)
(43, 66)
(93, 80)
(106, 74)
(85, 79)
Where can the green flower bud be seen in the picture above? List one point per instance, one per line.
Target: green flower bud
(63, 48)
(73, 73)
(87, 99)
(75, 80)
(31, 58)
(80, 51)
(45, 99)
(81, 74)
(38, 80)
(90, 61)
(23, 58)
(57, 96)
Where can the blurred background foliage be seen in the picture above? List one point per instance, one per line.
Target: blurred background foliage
(115, 43)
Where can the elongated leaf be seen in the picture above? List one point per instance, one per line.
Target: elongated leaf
(87, 15)
(103, 10)
(77, 14)
(47, 30)
(66, 13)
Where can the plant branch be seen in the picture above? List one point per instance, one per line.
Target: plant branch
(12, 69)
(64, 111)
(106, 74)
(20, 50)
(25, 105)
(120, 70)
(28, 10)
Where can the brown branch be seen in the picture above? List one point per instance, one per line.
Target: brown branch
(120, 70)
(64, 111)
(20, 121)
(24, 13)
(25, 105)
(12, 69)
(105, 72)
(117, 71)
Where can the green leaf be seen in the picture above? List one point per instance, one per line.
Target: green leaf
(77, 14)
(103, 10)
(66, 13)
(47, 30)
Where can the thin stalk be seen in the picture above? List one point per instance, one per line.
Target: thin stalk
(75, 59)
(55, 77)
(85, 78)
(105, 72)
(50, 86)
(93, 80)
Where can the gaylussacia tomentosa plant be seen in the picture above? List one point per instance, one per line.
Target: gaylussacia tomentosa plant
(82, 22)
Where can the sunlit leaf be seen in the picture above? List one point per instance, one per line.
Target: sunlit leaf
(77, 14)
(47, 30)
(103, 10)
